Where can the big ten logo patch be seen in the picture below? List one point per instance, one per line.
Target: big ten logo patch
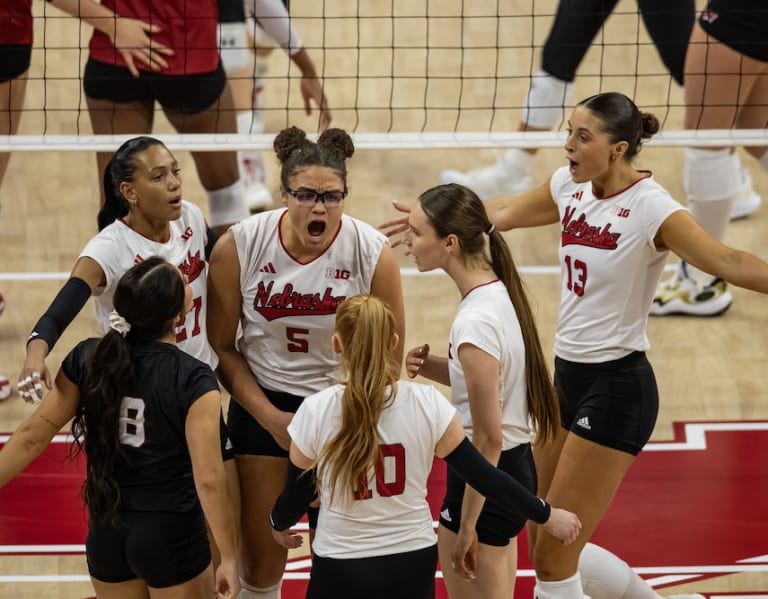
(619, 211)
(186, 235)
(337, 273)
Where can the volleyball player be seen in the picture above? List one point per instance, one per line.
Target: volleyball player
(245, 73)
(499, 383)
(143, 215)
(618, 226)
(278, 276)
(573, 30)
(372, 439)
(16, 31)
(168, 55)
(147, 417)
(726, 86)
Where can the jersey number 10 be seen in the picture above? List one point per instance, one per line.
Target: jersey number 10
(394, 455)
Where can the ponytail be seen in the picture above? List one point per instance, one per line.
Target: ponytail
(366, 329)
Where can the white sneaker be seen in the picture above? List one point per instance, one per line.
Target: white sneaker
(682, 295)
(747, 200)
(488, 181)
(691, 596)
(257, 194)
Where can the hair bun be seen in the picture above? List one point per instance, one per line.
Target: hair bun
(287, 141)
(337, 140)
(650, 124)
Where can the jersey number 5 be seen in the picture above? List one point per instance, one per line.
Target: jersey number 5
(576, 276)
(393, 456)
(296, 343)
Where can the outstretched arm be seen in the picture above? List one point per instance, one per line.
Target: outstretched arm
(531, 209)
(86, 276)
(684, 236)
(36, 432)
(500, 487)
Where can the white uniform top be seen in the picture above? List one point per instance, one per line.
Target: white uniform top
(396, 517)
(487, 319)
(117, 248)
(289, 307)
(610, 266)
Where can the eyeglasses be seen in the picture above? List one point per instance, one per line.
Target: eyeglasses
(310, 196)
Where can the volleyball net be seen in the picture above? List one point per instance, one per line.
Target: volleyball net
(397, 74)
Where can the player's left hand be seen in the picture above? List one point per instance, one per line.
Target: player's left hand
(227, 581)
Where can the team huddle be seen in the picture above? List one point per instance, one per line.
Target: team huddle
(298, 314)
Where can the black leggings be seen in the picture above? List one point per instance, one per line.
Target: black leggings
(578, 21)
(410, 574)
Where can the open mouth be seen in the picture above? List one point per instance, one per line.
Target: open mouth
(316, 228)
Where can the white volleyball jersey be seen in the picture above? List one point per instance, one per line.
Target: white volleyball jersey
(118, 247)
(609, 265)
(487, 319)
(289, 308)
(394, 516)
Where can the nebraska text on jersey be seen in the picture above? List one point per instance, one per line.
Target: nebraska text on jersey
(292, 303)
(580, 232)
(193, 266)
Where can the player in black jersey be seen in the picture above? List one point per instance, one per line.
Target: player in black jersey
(146, 414)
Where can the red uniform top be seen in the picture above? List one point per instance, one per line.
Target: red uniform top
(188, 27)
(16, 22)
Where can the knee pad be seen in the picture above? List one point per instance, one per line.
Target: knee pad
(545, 103)
(570, 588)
(603, 574)
(710, 175)
(250, 592)
(227, 206)
(233, 46)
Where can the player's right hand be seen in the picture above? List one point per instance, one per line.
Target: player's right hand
(34, 374)
(394, 229)
(415, 360)
(563, 524)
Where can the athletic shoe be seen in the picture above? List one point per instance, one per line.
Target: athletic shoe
(488, 181)
(257, 195)
(682, 295)
(747, 200)
(691, 596)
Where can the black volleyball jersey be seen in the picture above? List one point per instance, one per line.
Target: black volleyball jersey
(155, 472)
